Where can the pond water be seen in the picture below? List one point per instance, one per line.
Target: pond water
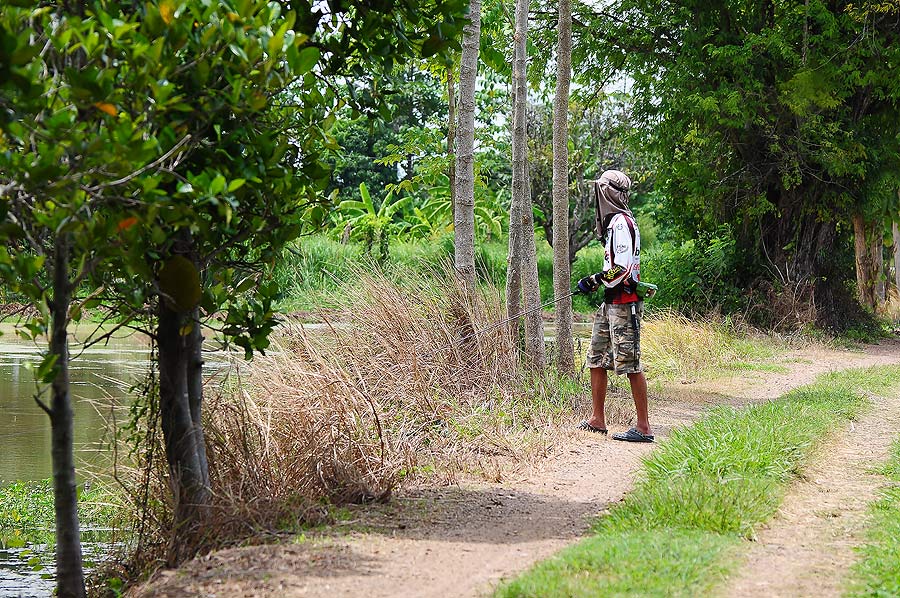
(100, 377)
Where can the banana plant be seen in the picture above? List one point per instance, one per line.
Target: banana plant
(372, 224)
(435, 217)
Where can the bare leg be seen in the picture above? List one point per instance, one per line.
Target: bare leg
(598, 398)
(639, 392)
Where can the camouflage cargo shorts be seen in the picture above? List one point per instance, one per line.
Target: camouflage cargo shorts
(615, 343)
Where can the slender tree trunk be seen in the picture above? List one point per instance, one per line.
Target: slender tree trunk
(69, 568)
(195, 394)
(534, 323)
(518, 135)
(464, 218)
(451, 137)
(885, 277)
(895, 231)
(868, 250)
(521, 192)
(514, 269)
(565, 358)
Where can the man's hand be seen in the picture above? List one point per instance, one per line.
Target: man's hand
(589, 284)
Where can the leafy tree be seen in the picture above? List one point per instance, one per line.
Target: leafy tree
(778, 118)
(597, 142)
(145, 165)
(413, 96)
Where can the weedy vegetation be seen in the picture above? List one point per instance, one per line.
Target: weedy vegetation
(27, 524)
(395, 388)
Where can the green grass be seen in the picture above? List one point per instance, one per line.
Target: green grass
(27, 515)
(312, 269)
(877, 574)
(702, 491)
(630, 563)
(749, 366)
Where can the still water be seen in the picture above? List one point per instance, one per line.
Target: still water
(101, 377)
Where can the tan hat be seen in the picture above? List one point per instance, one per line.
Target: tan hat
(611, 197)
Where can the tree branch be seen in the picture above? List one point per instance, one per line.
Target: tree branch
(143, 169)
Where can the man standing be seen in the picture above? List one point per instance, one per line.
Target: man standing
(616, 342)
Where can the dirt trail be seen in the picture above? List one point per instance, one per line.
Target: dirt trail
(461, 541)
(807, 549)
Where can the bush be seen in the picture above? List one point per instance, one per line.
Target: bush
(696, 276)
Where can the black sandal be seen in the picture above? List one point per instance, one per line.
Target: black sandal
(587, 427)
(633, 435)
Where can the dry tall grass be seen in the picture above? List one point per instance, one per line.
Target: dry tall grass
(402, 386)
(676, 347)
(344, 411)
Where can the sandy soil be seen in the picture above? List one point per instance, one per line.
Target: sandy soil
(461, 541)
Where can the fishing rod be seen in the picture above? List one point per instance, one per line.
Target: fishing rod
(496, 325)
(644, 290)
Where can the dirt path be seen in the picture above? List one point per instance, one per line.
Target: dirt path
(807, 549)
(461, 541)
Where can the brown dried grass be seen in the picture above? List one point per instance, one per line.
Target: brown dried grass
(344, 411)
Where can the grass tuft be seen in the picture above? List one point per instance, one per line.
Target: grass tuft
(633, 562)
(678, 347)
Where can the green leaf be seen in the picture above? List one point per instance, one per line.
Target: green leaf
(306, 60)
(432, 46)
(364, 192)
(236, 184)
(217, 185)
(15, 542)
(245, 285)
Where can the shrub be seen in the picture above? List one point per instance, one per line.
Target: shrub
(696, 276)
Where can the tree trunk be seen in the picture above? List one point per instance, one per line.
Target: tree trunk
(195, 393)
(795, 246)
(521, 192)
(565, 357)
(464, 218)
(519, 140)
(868, 251)
(451, 138)
(69, 568)
(179, 342)
(514, 269)
(895, 231)
(514, 259)
(534, 323)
